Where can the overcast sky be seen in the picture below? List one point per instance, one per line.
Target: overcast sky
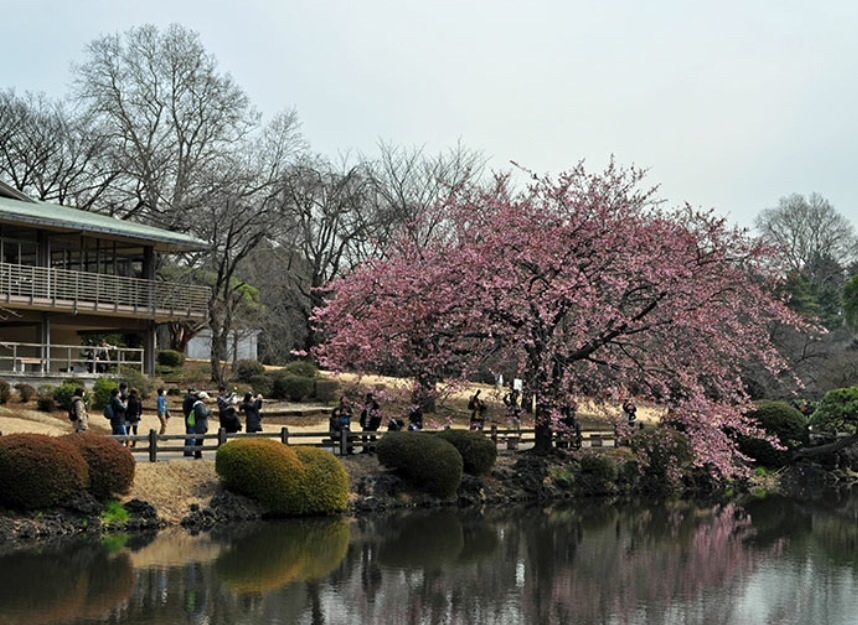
(730, 104)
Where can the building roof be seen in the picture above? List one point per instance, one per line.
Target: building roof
(16, 208)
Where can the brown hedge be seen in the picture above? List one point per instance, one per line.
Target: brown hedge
(111, 466)
(39, 471)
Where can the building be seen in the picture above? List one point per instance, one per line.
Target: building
(67, 276)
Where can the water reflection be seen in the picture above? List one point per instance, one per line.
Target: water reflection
(769, 561)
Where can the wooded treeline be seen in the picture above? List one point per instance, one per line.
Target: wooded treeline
(152, 130)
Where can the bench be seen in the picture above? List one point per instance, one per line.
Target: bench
(35, 364)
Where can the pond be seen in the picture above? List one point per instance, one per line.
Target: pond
(769, 561)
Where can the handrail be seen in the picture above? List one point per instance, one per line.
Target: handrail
(347, 439)
(52, 357)
(101, 291)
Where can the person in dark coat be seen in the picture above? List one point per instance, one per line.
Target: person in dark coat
(201, 414)
(188, 407)
(133, 413)
(340, 421)
(370, 421)
(252, 409)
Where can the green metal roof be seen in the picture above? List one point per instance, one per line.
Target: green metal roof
(68, 219)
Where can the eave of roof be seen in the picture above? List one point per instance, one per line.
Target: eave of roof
(68, 219)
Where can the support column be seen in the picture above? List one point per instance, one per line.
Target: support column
(149, 347)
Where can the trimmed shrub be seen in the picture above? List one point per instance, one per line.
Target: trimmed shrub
(427, 461)
(478, 452)
(25, 391)
(63, 393)
(39, 471)
(101, 391)
(325, 487)
(293, 388)
(325, 390)
(837, 412)
(264, 470)
(45, 398)
(246, 370)
(111, 466)
(665, 457)
(170, 358)
(301, 369)
(779, 419)
(5, 391)
(597, 474)
(135, 379)
(262, 384)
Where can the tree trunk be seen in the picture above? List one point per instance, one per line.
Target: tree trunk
(828, 448)
(544, 434)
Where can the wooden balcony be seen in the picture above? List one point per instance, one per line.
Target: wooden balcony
(41, 288)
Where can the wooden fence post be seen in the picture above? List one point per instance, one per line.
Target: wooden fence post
(494, 434)
(284, 435)
(153, 446)
(221, 436)
(344, 441)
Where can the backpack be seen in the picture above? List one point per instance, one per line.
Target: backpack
(108, 411)
(72, 412)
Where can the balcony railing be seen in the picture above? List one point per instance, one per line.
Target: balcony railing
(82, 291)
(42, 359)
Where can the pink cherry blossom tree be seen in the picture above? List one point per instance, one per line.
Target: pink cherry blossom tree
(589, 285)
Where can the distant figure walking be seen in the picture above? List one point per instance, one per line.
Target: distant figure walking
(630, 411)
(478, 410)
(78, 409)
(133, 413)
(163, 411)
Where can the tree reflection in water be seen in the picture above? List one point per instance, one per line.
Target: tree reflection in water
(594, 563)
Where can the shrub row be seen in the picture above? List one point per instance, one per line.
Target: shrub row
(288, 481)
(40, 471)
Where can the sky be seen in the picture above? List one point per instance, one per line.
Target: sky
(730, 105)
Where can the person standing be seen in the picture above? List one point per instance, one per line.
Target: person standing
(133, 413)
(201, 414)
(117, 415)
(252, 409)
(81, 418)
(370, 421)
(163, 411)
(187, 409)
(630, 411)
(340, 421)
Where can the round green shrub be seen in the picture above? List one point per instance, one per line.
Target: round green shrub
(63, 393)
(5, 391)
(25, 391)
(45, 398)
(837, 412)
(325, 390)
(301, 369)
(263, 384)
(111, 465)
(779, 419)
(135, 379)
(478, 452)
(264, 470)
(427, 461)
(101, 391)
(325, 486)
(665, 457)
(599, 466)
(245, 370)
(39, 471)
(293, 388)
(170, 358)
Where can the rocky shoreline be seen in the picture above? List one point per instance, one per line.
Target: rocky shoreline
(520, 478)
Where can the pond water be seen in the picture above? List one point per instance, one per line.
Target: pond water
(773, 561)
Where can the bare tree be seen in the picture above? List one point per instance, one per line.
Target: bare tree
(51, 152)
(407, 182)
(169, 117)
(805, 229)
(325, 228)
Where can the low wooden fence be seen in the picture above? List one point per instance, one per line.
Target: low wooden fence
(512, 439)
